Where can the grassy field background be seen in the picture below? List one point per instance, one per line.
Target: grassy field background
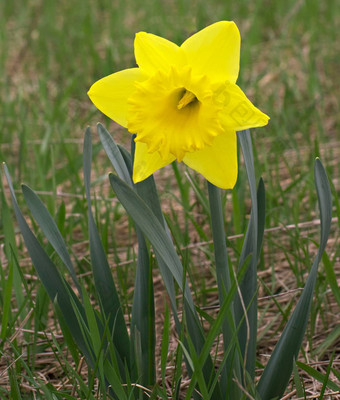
(50, 54)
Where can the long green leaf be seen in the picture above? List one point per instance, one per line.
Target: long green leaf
(261, 215)
(318, 376)
(232, 365)
(152, 229)
(331, 277)
(142, 314)
(50, 229)
(143, 307)
(55, 285)
(104, 283)
(251, 245)
(279, 368)
(114, 154)
(10, 246)
(148, 192)
(167, 257)
(216, 327)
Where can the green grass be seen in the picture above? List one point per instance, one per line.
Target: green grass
(51, 53)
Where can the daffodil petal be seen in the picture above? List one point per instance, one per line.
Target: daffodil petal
(146, 163)
(217, 163)
(110, 94)
(215, 51)
(154, 53)
(238, 112)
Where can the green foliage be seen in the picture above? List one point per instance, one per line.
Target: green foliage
(278, 370)
(120, 360)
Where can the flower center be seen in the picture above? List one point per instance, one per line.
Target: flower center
(174, 113)
(187, 98)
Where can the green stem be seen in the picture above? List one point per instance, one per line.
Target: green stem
(232, 366)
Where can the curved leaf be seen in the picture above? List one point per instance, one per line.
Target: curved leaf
(101, 271)
(152, 229)
(114, 154)
(279, 368)
(56, 287)
(50, 229)
(168, 261)
(251, 245)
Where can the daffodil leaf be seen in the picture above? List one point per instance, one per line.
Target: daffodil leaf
(169, 263)
(232, 364)
(50, 229)
(251, 245)
(214, 331)
(101, 271)
(143, 313)
(147, 190)
(56, 287)
(114, 154)
(146, 220)
(10, 248)
(279, 368)
(126, 157)
(143, 308)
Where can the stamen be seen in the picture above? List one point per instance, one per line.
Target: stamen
(187, 98)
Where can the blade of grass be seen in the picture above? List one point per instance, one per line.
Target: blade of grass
(326, 379)
(6, 301)
(196, 367)
(297, 381)
(13, 379)
(328, 342)
(165, 342)
(331, 277)
(318, 376)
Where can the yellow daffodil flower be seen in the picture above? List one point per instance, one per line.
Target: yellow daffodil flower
(182, 103)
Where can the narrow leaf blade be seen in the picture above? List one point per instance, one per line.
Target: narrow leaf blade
(54, 284)
(114, 154)
(279, 368)
(101, 271)
(251, 245)
(50, 229)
